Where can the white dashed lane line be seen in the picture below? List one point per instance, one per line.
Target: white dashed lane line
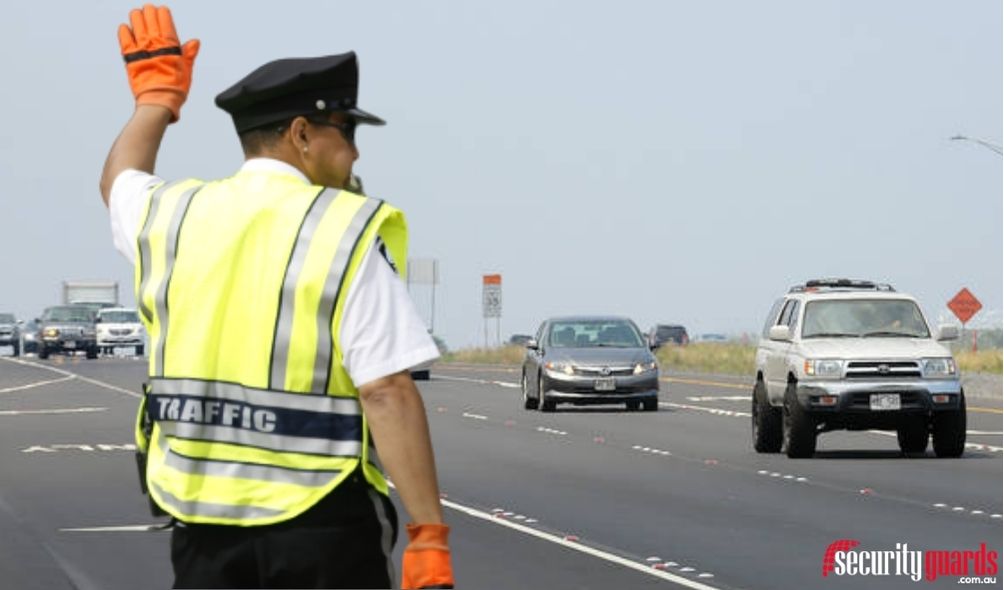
(964, 510)
(551, 431)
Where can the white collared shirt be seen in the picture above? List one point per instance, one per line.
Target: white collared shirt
(381, 333)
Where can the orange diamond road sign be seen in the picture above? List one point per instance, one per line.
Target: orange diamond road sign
(964, 305)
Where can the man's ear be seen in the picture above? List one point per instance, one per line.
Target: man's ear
(298, 133)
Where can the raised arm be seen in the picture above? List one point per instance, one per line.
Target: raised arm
(159, 68)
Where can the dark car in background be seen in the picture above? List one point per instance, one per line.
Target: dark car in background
(29, 337)
(586, 360)
(519, 339)
(10, 332)
(67, 329)
(667, 334)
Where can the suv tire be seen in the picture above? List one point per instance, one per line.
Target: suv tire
(529, 403)
(948, 430)
(799, 428)
(913, 434)
(650, 405)
(43, 352)
(92, 352)
(768, 432)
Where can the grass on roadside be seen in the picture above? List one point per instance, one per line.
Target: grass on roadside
(727, 358)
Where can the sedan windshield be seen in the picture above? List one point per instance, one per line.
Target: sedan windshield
(594, 334)
(868, 318)
(67, 314)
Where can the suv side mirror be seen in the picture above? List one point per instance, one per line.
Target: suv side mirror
(532, 344)
(948, 332)
(781, 333)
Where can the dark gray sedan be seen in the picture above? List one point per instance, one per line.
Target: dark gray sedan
(589, 360)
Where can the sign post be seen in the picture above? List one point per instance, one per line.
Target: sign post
(965, 305)
(491, 304)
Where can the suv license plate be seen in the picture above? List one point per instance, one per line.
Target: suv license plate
(69, 344)
(608, 384)
(885, 401)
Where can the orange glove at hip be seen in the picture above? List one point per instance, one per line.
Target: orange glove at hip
(426, 562)
(158, 65)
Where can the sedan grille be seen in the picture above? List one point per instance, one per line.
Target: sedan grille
(604, 371)
(120, 331)
(882, 369)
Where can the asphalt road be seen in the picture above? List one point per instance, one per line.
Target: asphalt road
(582, 498)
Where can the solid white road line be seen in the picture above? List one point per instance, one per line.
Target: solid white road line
(975, 446)
(36, 384)
(72, 375)
(132, 528)
(577, 546)
(59, 411)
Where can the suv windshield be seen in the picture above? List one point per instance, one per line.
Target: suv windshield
(7, 318)
(594, 334)
(119, 317)
(847, 318)
(67, 314)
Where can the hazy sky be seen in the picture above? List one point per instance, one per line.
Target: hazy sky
(673, 161)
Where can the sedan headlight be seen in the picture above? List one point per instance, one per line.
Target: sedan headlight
(565, 368)
(50, 333)
(824, 368)
(938, 367)
(640, 368)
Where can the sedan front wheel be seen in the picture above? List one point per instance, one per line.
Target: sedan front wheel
(529, 403)
(544, 404)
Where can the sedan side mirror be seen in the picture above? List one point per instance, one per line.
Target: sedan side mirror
(532, 344)
(780, 333)
(948, 332)
(654, 346)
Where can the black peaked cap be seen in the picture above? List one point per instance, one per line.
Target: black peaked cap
(286, 88)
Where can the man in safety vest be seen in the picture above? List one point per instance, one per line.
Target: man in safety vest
(281, 336)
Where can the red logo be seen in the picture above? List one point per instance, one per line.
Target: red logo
(838, 545)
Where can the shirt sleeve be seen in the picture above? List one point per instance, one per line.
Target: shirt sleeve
(125, 206)
(382, 332)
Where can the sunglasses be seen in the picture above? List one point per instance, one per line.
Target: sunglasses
(346, 128)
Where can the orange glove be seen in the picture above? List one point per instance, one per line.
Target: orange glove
(426, 562)
(159, 67)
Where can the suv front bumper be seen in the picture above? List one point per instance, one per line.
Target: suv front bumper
(853, 405)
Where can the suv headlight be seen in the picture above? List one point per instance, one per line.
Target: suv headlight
(938, 367)
(565, 368)
(640, 368)
(824, 368)
(50, 333)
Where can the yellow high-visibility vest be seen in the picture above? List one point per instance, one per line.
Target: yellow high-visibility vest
(242, 284)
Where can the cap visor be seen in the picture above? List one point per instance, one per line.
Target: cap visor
(364, 118)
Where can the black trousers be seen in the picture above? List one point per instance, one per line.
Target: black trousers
(344, 541)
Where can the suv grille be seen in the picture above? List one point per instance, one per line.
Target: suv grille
(882, 369)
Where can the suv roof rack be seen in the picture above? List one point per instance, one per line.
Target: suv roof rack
(834, 284)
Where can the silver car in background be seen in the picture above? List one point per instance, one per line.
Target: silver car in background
(585, 360)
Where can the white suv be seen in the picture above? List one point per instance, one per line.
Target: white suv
(119, 326)
(839, 354)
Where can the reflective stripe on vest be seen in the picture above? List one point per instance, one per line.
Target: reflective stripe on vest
(281, 344)
(242, 284)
